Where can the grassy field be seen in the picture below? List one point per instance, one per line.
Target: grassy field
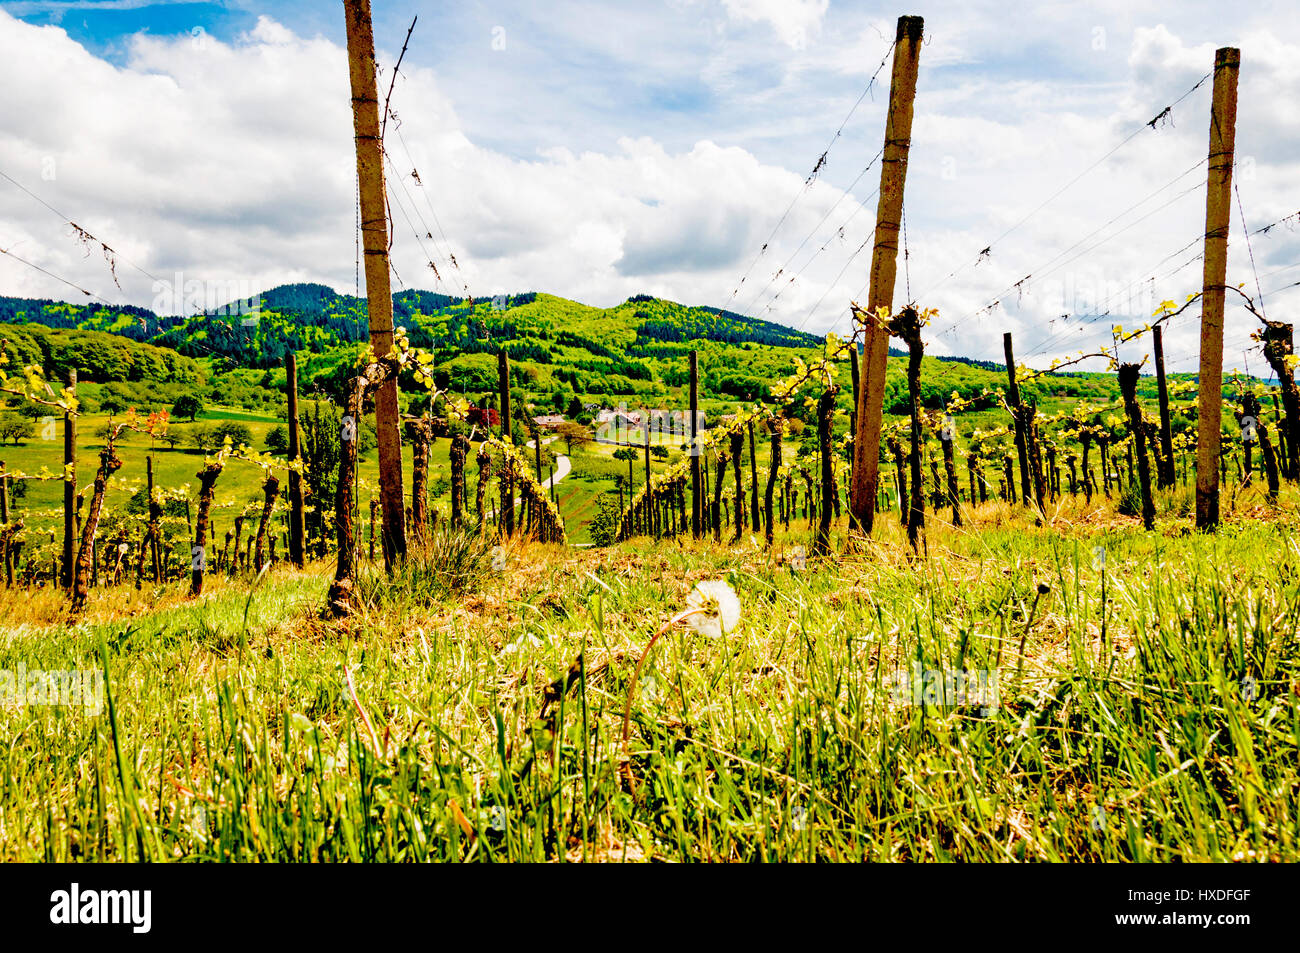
(1145, 705)
(239, 487)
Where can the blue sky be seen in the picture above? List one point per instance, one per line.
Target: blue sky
(598, 150)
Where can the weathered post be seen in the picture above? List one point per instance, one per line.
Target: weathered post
(342, 590)
(1128, 378)
(697, 497)
(1013, 399)
(1218, 203)
(155, 522)
(270, 491)
(650, 526)
(951, 469)
(421, 432)
(459, 447)
(825, 410)
(1166, 469)
(755, 517)
(1279, 347)
(507, 435)
(374, 236)
(737, 446)
(69, 484)
(884, 268)
(900, 466)
(4, 519)
(1270, 462)
(295, 461)
(774, 426)
(199, 553)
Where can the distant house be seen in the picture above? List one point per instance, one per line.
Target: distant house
(549, 421)
(483, 416)
(618, 419)
(673, 421)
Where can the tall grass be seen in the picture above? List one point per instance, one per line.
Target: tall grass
(450, 721)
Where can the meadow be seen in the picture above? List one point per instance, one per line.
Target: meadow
(1144, 703)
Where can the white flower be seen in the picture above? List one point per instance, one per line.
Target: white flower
(713, 607)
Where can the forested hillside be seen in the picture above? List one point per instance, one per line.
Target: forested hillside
(635, 352)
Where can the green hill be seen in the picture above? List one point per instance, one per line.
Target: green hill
(635, 352)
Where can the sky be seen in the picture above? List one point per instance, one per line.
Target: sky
(601, 150)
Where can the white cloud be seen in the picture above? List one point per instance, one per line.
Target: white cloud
(232, 161)
(795, 21)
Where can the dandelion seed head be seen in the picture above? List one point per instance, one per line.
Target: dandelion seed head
(714, 608)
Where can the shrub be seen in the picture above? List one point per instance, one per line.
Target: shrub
(454, 563)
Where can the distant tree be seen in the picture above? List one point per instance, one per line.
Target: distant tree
(29, 408)
(604, 525)
(113, 402)
(574, 410)
(659, 452)
(15, 427)
(277, 440)
(188, 405)
(174, 435)
(203, 437)
(572, 432)
(237, 432)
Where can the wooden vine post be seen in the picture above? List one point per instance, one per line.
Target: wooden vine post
(775, 424)
(1218, 206)
(755, 517)
(155, 522)
(738, 516)
(1013, 401)
(720, 477)
(295, 460)
(69, 484)
(907, 326)
(650, 527)
(900, 465)
(199, 553)
(108, 465)
(950, 468)
(270, 492)
(825, 411)
(484, 460)
(697, 493)
(421, 432)
(884, 268)
(8, 531)
(459, 448)
(1166, 470)
(1279, 351)
(1128, 379)
(379, 298)
(342, 590)
(507, 436)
